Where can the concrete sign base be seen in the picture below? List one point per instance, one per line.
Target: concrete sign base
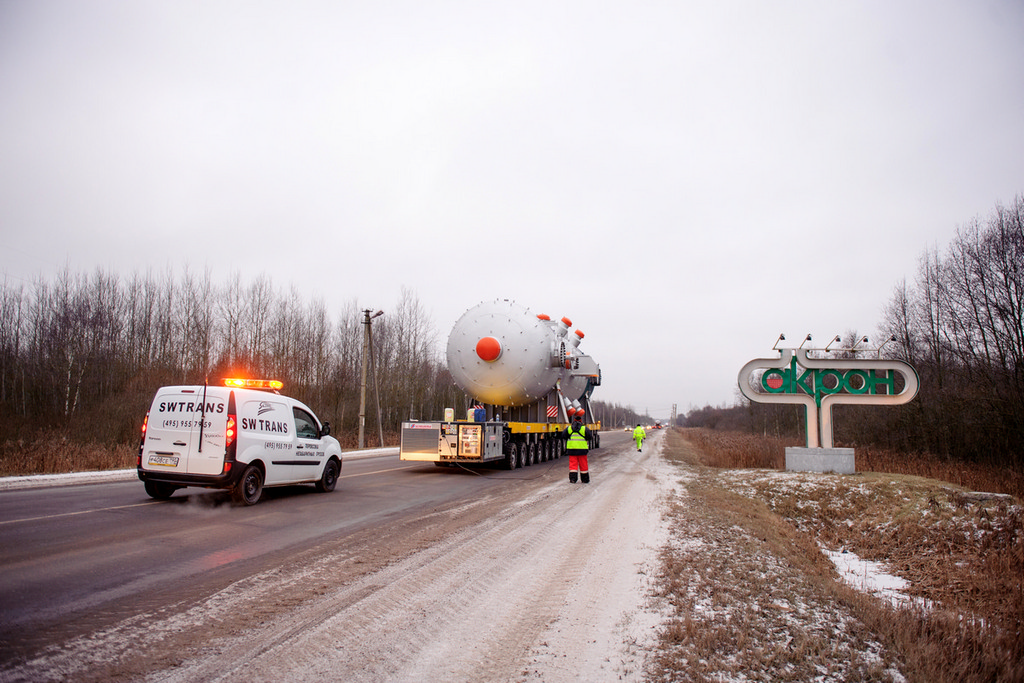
(839, 460)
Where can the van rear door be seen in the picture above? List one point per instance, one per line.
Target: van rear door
(185, 433)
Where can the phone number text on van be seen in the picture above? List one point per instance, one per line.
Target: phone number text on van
(186, 424)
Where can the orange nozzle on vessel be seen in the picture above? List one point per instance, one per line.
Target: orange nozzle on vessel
(568, 323)
(489, 349)
(543, 316)
(579, 333)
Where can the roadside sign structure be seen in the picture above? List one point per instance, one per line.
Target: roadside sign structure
(818, 383)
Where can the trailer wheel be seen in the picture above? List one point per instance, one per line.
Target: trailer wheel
(511, 456)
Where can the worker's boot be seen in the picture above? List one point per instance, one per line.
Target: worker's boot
(585, 477)
(572, 477)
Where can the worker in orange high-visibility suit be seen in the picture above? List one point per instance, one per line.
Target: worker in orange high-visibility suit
(577, 448)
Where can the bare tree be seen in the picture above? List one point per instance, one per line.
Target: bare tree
(12, 312)
(231, 310)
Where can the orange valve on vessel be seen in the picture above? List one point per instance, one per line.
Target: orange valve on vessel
(489, 349)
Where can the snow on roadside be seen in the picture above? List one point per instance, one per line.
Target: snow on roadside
(869, 577)
(33, 481)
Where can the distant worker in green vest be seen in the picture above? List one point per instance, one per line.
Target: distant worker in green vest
(639, 434)
(577, 448)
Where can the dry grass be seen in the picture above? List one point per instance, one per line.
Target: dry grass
(755, 599)
(972, 476)
(752, 596)
(744, 450)
(52, 453)
(735, 449)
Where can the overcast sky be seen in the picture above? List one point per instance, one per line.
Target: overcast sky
(684, 180)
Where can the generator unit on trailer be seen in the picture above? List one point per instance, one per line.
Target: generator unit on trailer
(527, 379)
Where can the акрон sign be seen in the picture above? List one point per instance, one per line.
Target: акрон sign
(820, 383)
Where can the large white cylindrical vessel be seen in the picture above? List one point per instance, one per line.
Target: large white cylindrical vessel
(501, 353)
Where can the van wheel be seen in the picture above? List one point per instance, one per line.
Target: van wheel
(329, 478)
(249, 488)
(160, 491)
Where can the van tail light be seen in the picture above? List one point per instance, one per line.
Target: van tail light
(230, 434)
(142, 440)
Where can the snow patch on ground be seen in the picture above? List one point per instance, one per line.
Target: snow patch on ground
(868, 576)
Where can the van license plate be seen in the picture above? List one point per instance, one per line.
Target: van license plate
(164, 460)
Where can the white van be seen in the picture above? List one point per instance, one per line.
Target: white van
(240, 435)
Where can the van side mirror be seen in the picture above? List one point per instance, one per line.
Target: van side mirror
(325, 429)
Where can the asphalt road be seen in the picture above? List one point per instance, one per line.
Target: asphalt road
(75, 559)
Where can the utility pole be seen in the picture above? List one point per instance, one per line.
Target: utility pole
(367, 350)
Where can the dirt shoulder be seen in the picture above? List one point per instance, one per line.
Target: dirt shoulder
(754, 595)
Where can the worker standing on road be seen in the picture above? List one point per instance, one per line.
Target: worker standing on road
(639, 434)
(577, 447)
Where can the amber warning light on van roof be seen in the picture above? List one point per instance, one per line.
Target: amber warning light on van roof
(274, 384)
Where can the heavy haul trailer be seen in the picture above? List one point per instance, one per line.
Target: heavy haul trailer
(516, 443)
(527, 379)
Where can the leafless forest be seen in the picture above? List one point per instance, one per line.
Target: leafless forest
(81, 356)
(84, 354)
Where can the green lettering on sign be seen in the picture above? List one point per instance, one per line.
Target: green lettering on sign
(820, 382)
